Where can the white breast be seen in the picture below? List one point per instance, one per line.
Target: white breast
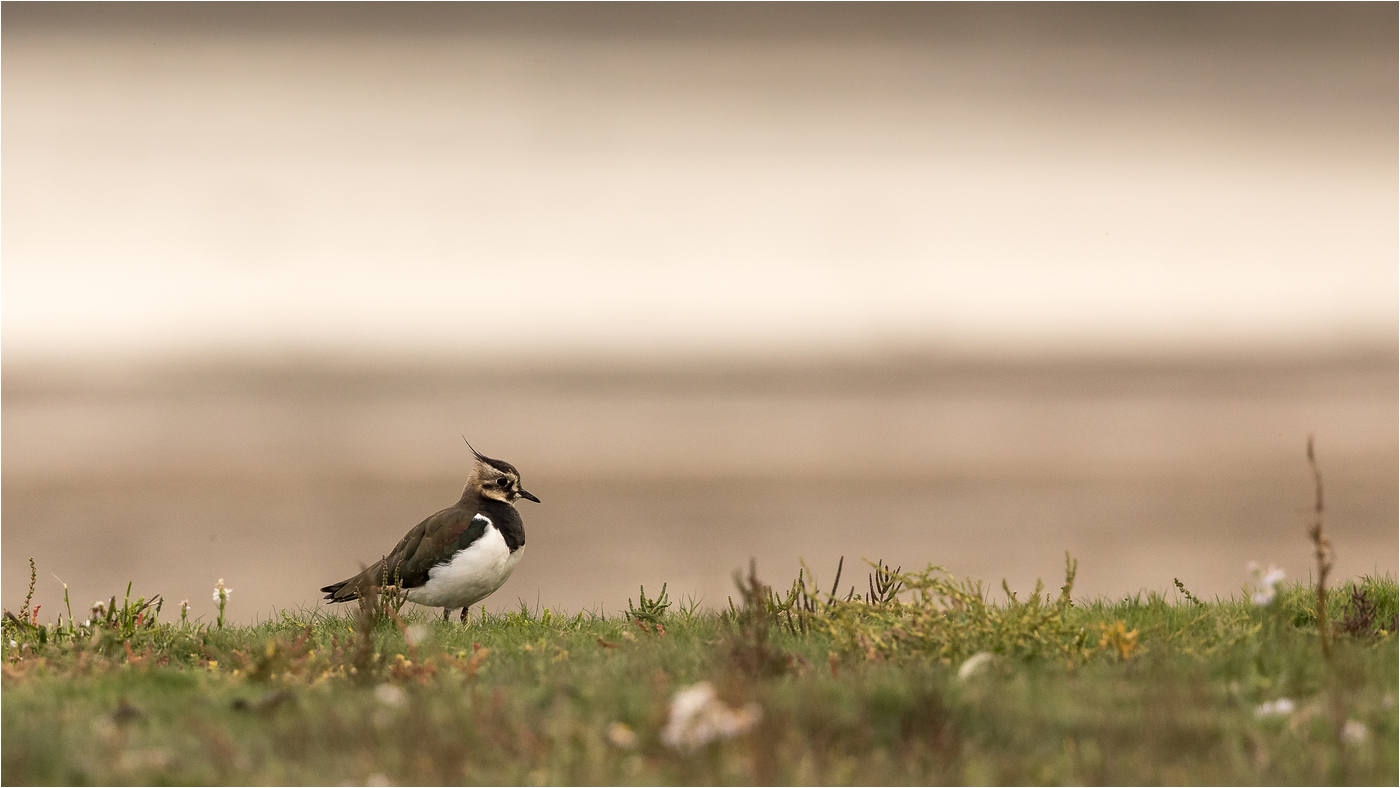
(472, 575)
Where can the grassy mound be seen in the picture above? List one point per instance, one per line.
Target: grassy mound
(921, 679)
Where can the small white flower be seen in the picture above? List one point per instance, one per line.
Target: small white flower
(622, 736)
(1265, 582)
(973, 664)
(1354, 732)
(415, 634)
(1274, 708)
(390, 695)
(698, 717)
(1388, 702)
(13, 644)
(221, 592)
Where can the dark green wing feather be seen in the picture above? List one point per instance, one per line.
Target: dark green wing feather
(427, 544)
(443, 535)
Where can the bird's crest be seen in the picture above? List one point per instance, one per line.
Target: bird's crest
(500, 465)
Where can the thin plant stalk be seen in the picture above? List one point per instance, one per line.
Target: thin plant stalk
(1322, 549)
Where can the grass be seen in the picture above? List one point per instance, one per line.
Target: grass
(924, 679)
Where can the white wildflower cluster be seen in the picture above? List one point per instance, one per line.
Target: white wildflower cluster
(1274, 708)
(1264, 582)
(1354, 732)
(973, 664)
(390, 695)
(699, 717)
(222, 592)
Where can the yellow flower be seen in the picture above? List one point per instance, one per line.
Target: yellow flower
(1117, 636)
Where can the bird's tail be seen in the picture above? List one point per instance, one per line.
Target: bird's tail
(355, 587)
(343, 591)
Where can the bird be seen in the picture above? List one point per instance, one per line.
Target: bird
(460, 555)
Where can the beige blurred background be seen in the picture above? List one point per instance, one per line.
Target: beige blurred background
(960, 284)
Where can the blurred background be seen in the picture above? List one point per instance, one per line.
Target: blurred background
(970, 285)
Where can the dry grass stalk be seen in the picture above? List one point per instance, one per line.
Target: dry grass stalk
(1322, 549)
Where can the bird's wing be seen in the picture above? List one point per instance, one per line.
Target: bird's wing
(427, 544)
(388, 570)
(434, 541)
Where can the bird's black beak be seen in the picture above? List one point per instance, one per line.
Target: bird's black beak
(527, 496)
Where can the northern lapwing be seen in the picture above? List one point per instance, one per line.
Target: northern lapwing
(458, 556)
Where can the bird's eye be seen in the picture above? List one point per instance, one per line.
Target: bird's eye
(503, 482)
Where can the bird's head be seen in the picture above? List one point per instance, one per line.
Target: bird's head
(496, 479)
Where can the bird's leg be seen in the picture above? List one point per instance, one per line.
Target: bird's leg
(447, 614)
(466, 615)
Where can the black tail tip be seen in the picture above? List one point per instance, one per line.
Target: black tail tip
(334, 588)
